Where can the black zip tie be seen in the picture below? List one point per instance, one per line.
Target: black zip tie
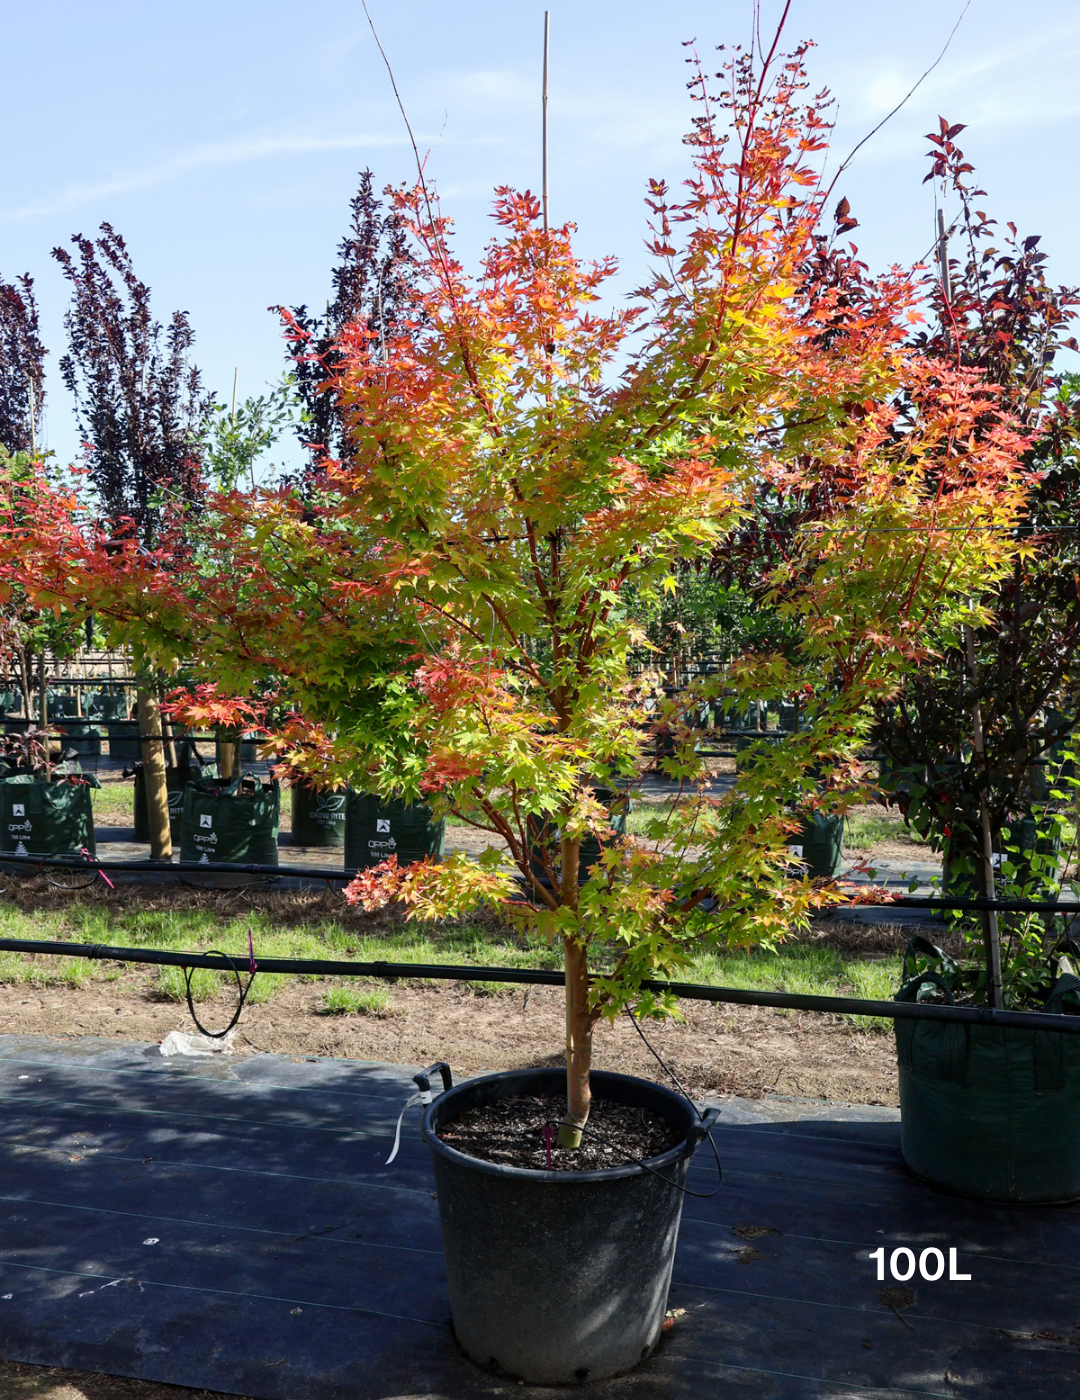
(241, 991)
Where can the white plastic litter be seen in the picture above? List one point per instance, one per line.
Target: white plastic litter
(183, 1043)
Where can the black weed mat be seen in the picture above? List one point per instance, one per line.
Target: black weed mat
(230, 1224)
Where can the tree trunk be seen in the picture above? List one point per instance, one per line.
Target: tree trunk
(228, 748)
(579, 1026)
(157, 793)
(579, 1032)
(43, 697)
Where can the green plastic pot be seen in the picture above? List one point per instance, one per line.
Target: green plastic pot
(991, 1113)
(46, 818)
(376, 829)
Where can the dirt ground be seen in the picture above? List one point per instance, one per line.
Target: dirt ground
(716, 1049)
(18, 1382)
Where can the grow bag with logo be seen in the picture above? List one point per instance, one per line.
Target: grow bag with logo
(46, 819)
(376, 829)
(559, 1277)
(124, 742)
(63, 705)
(236, 823)
(318, 815)
(108, 704)
(819, 844)
(988, 1112)
(187, 770)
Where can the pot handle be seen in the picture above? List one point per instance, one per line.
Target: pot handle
(423, 1079)
(700, 1131)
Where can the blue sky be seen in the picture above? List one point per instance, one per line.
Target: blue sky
(223, 139)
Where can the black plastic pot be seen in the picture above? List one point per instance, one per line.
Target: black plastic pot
(559, 1277)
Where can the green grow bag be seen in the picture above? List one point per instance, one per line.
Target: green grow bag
(107, 704)
(46, 819)
(237, 823)
(80, 738)
(991, 1113)
(745, 744)
(590, 850)
(376, 829)
(124, 742)
(63, 705)
(318, 816)
(176, 780)
(820, 845)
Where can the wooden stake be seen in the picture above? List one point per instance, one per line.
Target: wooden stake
(991, 934)
(544, 105)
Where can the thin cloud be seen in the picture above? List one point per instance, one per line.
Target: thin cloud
(198, 158)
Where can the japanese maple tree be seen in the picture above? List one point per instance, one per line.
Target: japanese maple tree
(447, 609)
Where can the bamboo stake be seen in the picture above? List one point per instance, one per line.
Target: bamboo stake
(544, 106)
(43, 695)
(943, 257)
(991, 933)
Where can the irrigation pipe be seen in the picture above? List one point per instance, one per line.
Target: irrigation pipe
(689, 991)
(312, 872)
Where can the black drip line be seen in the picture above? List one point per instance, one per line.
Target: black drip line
(687, 991)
